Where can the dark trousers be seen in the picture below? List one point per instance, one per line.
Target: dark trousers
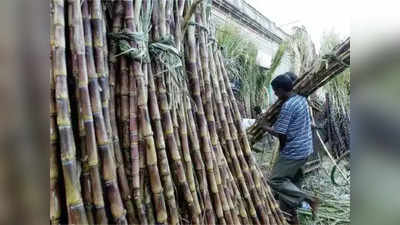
(285, 181)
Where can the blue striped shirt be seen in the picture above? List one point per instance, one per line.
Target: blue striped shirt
(294, 121)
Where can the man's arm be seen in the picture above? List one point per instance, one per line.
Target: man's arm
(281, 125)
(271, 131)
(281, 137)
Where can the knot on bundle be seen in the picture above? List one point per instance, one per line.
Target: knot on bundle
(122, 41)
(162, 50)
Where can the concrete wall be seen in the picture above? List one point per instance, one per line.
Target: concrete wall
(265, 34)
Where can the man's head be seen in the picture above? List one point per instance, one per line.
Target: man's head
(282, 85)
(292, 76)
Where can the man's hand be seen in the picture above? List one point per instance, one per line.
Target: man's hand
(271, 131)
(313, 126)
(281, 137)
(268, 128)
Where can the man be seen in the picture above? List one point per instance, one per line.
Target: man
(293, 128)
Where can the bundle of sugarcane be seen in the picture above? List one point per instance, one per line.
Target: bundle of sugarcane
(323, 71)
(145, 128)
(337, 126)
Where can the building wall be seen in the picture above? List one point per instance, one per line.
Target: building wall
(265, 34)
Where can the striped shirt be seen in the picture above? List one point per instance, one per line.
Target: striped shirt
(294, 122)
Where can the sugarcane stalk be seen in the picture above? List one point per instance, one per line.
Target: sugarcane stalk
(142, 168)
(169, 19)
(55, 178)
(218, 125)
(232, 113)
(92, 108)
(189, 14)
(135, 143)
(220, 111)
(224, 168)
(142, 147)
(244, 143)
(228, 191)
(161, 152)
(178, 17)
(173, 105)
(274, 211)
(86, 189)
(238, 206)
(255, 188)
(144, 120)
(227, 204)
(128, 119)
(87, 135)
(198, 160)
(200, 72)
(228, 160)
(85, 176)
(99, 56)
(209, 68)
(202, 122)
(75, 207)
(149, 205)
(234, 205)
(113, 68)
(168, 128)
(237, 197)
(183, 134)
(274, 204)
(128, 132)
(224, 111)
(241, 131)
(271, 210)
(137, 132)
(118, 104)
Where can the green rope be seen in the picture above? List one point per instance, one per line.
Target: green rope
(164, 45)
(122, 39)
(163, 49)
(139, 54)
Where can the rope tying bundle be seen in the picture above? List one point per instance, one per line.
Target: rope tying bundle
(121, 39)
(163, 49)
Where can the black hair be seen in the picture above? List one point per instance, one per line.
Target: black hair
(292, 76)
(282, 81)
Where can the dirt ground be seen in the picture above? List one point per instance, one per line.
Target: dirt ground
(335, 206)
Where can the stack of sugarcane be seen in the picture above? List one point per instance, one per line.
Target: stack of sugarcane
(323, 71)
(144, 125)
(337, 126)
